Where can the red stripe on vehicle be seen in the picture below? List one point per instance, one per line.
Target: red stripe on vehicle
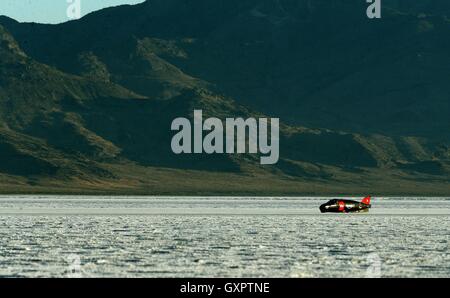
(341, 206)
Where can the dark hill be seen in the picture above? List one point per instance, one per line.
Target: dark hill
(364, 103)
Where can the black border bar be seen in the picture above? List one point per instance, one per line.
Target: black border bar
(227, 287)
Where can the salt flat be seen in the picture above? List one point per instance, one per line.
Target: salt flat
(80, 236)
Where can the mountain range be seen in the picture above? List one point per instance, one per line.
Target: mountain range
(86, 105)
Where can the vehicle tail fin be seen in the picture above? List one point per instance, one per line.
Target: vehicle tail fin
(366, 200)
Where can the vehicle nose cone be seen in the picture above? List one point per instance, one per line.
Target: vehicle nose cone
(323, 208)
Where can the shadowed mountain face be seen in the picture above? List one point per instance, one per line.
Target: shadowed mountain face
(359, 99)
